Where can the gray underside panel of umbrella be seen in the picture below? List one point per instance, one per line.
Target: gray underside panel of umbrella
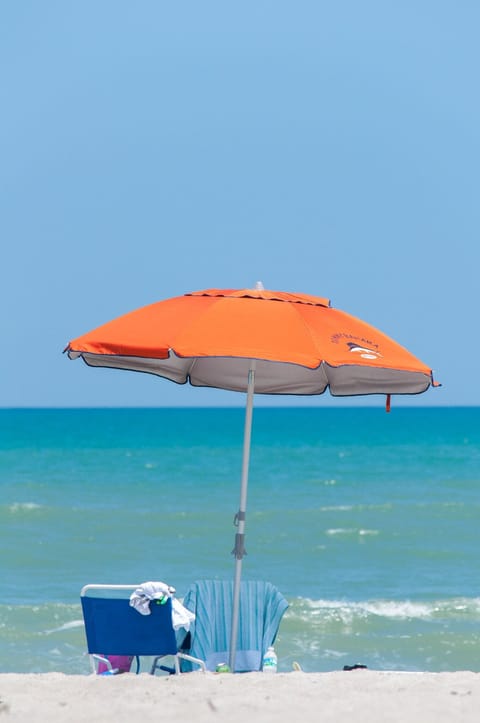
(270, 377)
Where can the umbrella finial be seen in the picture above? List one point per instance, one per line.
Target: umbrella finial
(259, 286)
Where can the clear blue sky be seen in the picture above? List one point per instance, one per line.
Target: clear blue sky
(151, 148)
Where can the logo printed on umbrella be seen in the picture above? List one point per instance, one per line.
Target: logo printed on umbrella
(362, 346)
(364, 351)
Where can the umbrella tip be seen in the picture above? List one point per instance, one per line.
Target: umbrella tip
(259, 286)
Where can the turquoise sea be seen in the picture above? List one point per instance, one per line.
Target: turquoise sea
(367, 522)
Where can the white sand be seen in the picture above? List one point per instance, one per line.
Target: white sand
(360, 696)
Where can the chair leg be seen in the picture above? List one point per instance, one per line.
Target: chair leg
(176, 658)
(199, 662)
(100, 659)
(166, 668)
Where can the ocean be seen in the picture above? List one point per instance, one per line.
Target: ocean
(367, 522)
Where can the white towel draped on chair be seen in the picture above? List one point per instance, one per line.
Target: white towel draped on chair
(149, 591)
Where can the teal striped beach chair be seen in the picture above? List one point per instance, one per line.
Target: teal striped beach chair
(261, 610)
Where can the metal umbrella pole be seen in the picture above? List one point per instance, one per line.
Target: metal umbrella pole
(239, 521)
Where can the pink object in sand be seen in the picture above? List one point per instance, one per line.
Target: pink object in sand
(121, 663)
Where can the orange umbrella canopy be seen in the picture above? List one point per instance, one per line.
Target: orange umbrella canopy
(300, 344)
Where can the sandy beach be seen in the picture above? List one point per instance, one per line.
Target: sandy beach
(363, 696)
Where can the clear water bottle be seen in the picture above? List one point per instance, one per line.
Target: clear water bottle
(270, 661)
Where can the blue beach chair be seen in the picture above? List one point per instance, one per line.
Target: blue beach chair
(261, 610)
(114, 628)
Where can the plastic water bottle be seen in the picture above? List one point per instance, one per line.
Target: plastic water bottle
(270, 661)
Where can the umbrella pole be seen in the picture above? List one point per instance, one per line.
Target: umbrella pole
(239, 549)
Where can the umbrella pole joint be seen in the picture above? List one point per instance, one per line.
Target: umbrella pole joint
(239, 549)
(240, 516)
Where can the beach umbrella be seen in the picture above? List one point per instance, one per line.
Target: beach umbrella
(254, 341)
